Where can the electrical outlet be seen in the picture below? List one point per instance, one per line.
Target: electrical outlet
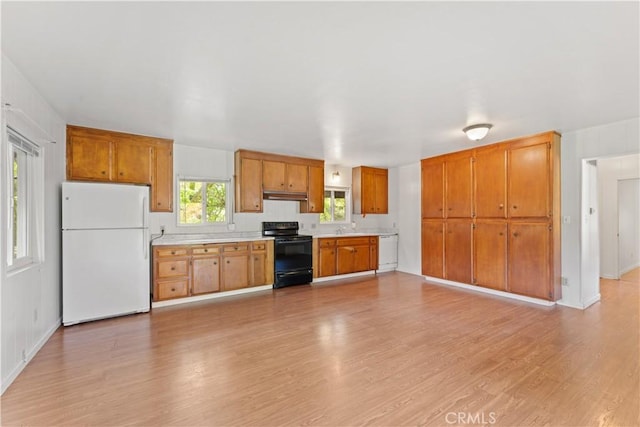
(313, 226)
(24, 355)
(302, 225)
(35, 315)
(565, 281)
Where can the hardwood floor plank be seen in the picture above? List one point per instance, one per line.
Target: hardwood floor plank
(378, 350)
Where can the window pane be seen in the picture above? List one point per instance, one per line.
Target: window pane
(326, 215)
(216, 201)
(16, 203)
(339, 206)
(190, 202)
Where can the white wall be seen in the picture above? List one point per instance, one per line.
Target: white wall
(615, 139)
(610, 172)
(409, 191)
(31, 307)
(211, 163)
(629, 224)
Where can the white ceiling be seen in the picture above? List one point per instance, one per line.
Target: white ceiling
(373, 83)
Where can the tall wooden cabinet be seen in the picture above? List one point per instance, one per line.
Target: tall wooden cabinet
(107, 156)
(370, 190)
(491, 216)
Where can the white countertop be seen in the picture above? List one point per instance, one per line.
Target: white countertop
(196, 239)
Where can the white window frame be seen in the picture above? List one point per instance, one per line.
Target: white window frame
(204, 223)
(31, 207)
(348, 207)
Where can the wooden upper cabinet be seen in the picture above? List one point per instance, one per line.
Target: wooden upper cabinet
(491, 182)
(432, 188)
(248, 184)
(297, 178)
(458, 185)
(433, 248)
(162, 186)
(457, 251)
(284, 177)
(529, 187)
(102, 155)
(273, 176)
(315, 200)
(89, 156)
(529, 260)
(134, 162)
(370, 190)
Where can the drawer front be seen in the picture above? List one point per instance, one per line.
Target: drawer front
(172, 289)
(206, 250)
(240, 247)
(258, 246)
(326, 243)
(172, 251)
(373, 240)
(353, 241)
(173, 268)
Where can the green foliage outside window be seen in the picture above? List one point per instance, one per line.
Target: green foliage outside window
(203, 202)
(335, 206)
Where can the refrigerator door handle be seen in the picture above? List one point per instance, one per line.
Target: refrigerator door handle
(145, 246)
(145, 212)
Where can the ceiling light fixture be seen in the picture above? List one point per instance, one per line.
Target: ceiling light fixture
(477, 132)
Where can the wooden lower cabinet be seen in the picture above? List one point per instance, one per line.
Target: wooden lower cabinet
(490, 254)
(433, 248)
(327, 257)
(457, 251)
(205, 274)
(529, 266)
(189, 270)
(345, 255)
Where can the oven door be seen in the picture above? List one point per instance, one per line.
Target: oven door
(292, 253)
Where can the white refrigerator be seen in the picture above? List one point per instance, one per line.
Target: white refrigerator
(105, 251)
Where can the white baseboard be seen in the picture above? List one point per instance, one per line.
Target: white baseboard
(491, 291)
(186, 300)
(342, 276)
(628, 269)
(608, 276)
(6, 382)
(591, 301)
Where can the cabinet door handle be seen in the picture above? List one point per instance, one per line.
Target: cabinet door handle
(500, 206)
(516, 234)
(515, 207)
(500, 233)
(173, 289)
(228, 261)
(215, 262)
(121, 173)
(173, 252)
(173, 268)
(103, 172)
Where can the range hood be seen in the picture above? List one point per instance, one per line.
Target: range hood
(283, 195)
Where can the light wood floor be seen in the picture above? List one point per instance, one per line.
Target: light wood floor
(385, 350)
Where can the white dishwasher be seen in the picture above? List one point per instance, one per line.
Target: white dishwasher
(388, 252)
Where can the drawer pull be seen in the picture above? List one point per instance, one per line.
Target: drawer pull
(173, 289)
(215, 262)
(515, 207)
(173, 252)
(103, 172)
(228, 261)
(173, 268)
(206, 250)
